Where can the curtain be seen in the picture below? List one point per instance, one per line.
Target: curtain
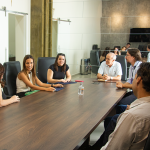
(41, 28)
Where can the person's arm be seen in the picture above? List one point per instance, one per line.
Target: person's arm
(99, 76)
(50, 77)
(68, 75)
(125, 133)
(23, 77)
(41, 84)
(101, 71)
(123, 85)
(13, 99)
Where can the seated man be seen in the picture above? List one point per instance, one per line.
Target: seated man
(110, 69)
(133, 57)
(133, 125)
(127, 46)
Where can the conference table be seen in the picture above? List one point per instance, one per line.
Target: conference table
(57, 120)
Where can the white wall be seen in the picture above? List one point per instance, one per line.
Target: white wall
(84, 28)
(19, 6)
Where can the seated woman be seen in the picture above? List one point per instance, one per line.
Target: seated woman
(27, 79)
(58, 71)
(103, 56)
(123, 48)
(116, 51)
(13, 99)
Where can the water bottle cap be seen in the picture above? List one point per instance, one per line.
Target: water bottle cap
(79, 81)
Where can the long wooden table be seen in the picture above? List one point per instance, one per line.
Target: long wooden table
(59, 120)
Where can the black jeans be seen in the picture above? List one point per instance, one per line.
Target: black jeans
(22, 94)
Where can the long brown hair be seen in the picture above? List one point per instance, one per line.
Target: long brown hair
(2, 70)
(56, 64)
(33, 69)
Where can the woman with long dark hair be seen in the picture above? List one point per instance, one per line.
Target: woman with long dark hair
(103, 56)
(27, 79)
(58, 71)
(13, 99)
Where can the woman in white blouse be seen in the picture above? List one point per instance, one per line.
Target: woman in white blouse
(27, 79)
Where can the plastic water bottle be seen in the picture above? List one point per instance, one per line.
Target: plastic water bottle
(81, 89)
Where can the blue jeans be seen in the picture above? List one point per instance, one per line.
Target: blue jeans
(127, 99)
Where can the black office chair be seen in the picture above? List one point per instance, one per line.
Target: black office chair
(121, 59)
(124, 53)
(43, 64)
(94, 60)
(143, 49)
(12, 69)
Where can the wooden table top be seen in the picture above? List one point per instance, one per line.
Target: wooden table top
(59, 120)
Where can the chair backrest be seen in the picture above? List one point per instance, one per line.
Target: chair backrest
(94, 60)
(43, 64)
(143, 48)
(123, 52)
(121, 59)
(12, 69)
(147, 144)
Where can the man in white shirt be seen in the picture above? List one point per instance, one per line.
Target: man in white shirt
(110, 69)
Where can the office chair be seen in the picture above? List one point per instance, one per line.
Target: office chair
(94, 60)
(121, 59)
(143, 49)
(147, 144)
(123, 53)
(43, 64)
(12, 69)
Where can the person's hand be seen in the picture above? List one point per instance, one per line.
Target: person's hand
(128, 107)
(119, 85)
(106, 77)
(50, 89)
(62, 80)
(67, 80)
(15, 99)
(57, 85)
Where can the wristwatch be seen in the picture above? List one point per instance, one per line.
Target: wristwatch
(111, 78)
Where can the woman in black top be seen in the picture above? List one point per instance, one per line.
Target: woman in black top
(11, 100)
(58, 71)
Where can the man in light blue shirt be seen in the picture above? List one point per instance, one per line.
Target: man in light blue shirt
(148, 56)
(133, 56)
